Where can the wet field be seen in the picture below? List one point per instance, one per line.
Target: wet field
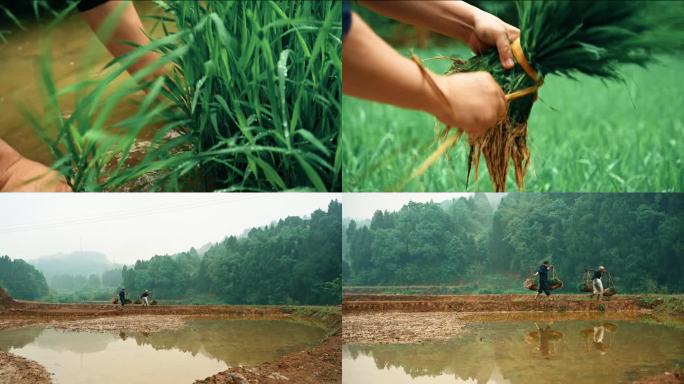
(523, 351)
(199, 349)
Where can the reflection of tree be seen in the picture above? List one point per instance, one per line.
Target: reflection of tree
(56, 340)
(247, 342)
(467, 357)
(596, 338)
(18, 337)
(77, 342)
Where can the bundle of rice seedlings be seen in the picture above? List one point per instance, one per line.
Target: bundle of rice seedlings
(563, 38)
(585, 287)
(250, 102)
(532, 284)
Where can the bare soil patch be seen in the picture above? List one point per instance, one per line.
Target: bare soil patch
(18, 370)
(400, 327)
(141, 323)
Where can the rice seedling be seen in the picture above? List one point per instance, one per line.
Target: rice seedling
(250, 102)
(561, 38)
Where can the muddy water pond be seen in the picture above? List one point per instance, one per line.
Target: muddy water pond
(523, 352)
(200, 349)
(72, 43)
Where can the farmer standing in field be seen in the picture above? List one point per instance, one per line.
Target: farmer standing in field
(597, 284)
(122, 296)
(373, 70)
(20, 174)
(543, 273)
(144, 297)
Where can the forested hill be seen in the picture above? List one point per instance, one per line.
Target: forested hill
(293, 261)
(21, 279)
(638, 237)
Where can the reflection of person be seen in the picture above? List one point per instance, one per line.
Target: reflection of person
(546, 335)
(18, 173)
(596, 337)
(373, 70)
(144, 297)
(597, 284)
(599, 332)
(543, 274)
(122, 296)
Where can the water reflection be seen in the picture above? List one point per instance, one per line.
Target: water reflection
(516, 352)
(597, 339)
(546, 340)
(200, 349)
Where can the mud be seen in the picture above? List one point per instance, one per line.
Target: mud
(486, 303)
(400, 327)
(18, 370)
(142, 323)
(670, 377)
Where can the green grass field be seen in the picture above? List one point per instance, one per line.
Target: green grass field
(584, 135)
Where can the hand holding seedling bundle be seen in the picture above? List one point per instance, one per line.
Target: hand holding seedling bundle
(471, 101)
(563, 38)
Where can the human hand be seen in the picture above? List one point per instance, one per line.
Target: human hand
(24, 175)
(490, 31)
(476, 102)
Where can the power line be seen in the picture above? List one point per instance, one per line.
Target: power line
(122, 215)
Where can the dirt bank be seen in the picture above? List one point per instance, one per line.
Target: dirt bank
(487, 303)
(675, 376)
(5, 299)
(18, 370)
(319, 365)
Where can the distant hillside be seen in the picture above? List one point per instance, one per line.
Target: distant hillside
(83, 263)
(203, 249)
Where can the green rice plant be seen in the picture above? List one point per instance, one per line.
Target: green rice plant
(563, 38)
(250, 102)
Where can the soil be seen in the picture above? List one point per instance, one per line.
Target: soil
(142, 323)
(400, 327)
(16, 369)
(676, 376)
(486, 303)
(5, 299)
(320, 364)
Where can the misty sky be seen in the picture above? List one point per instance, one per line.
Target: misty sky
(362, 205)
(131, 226)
